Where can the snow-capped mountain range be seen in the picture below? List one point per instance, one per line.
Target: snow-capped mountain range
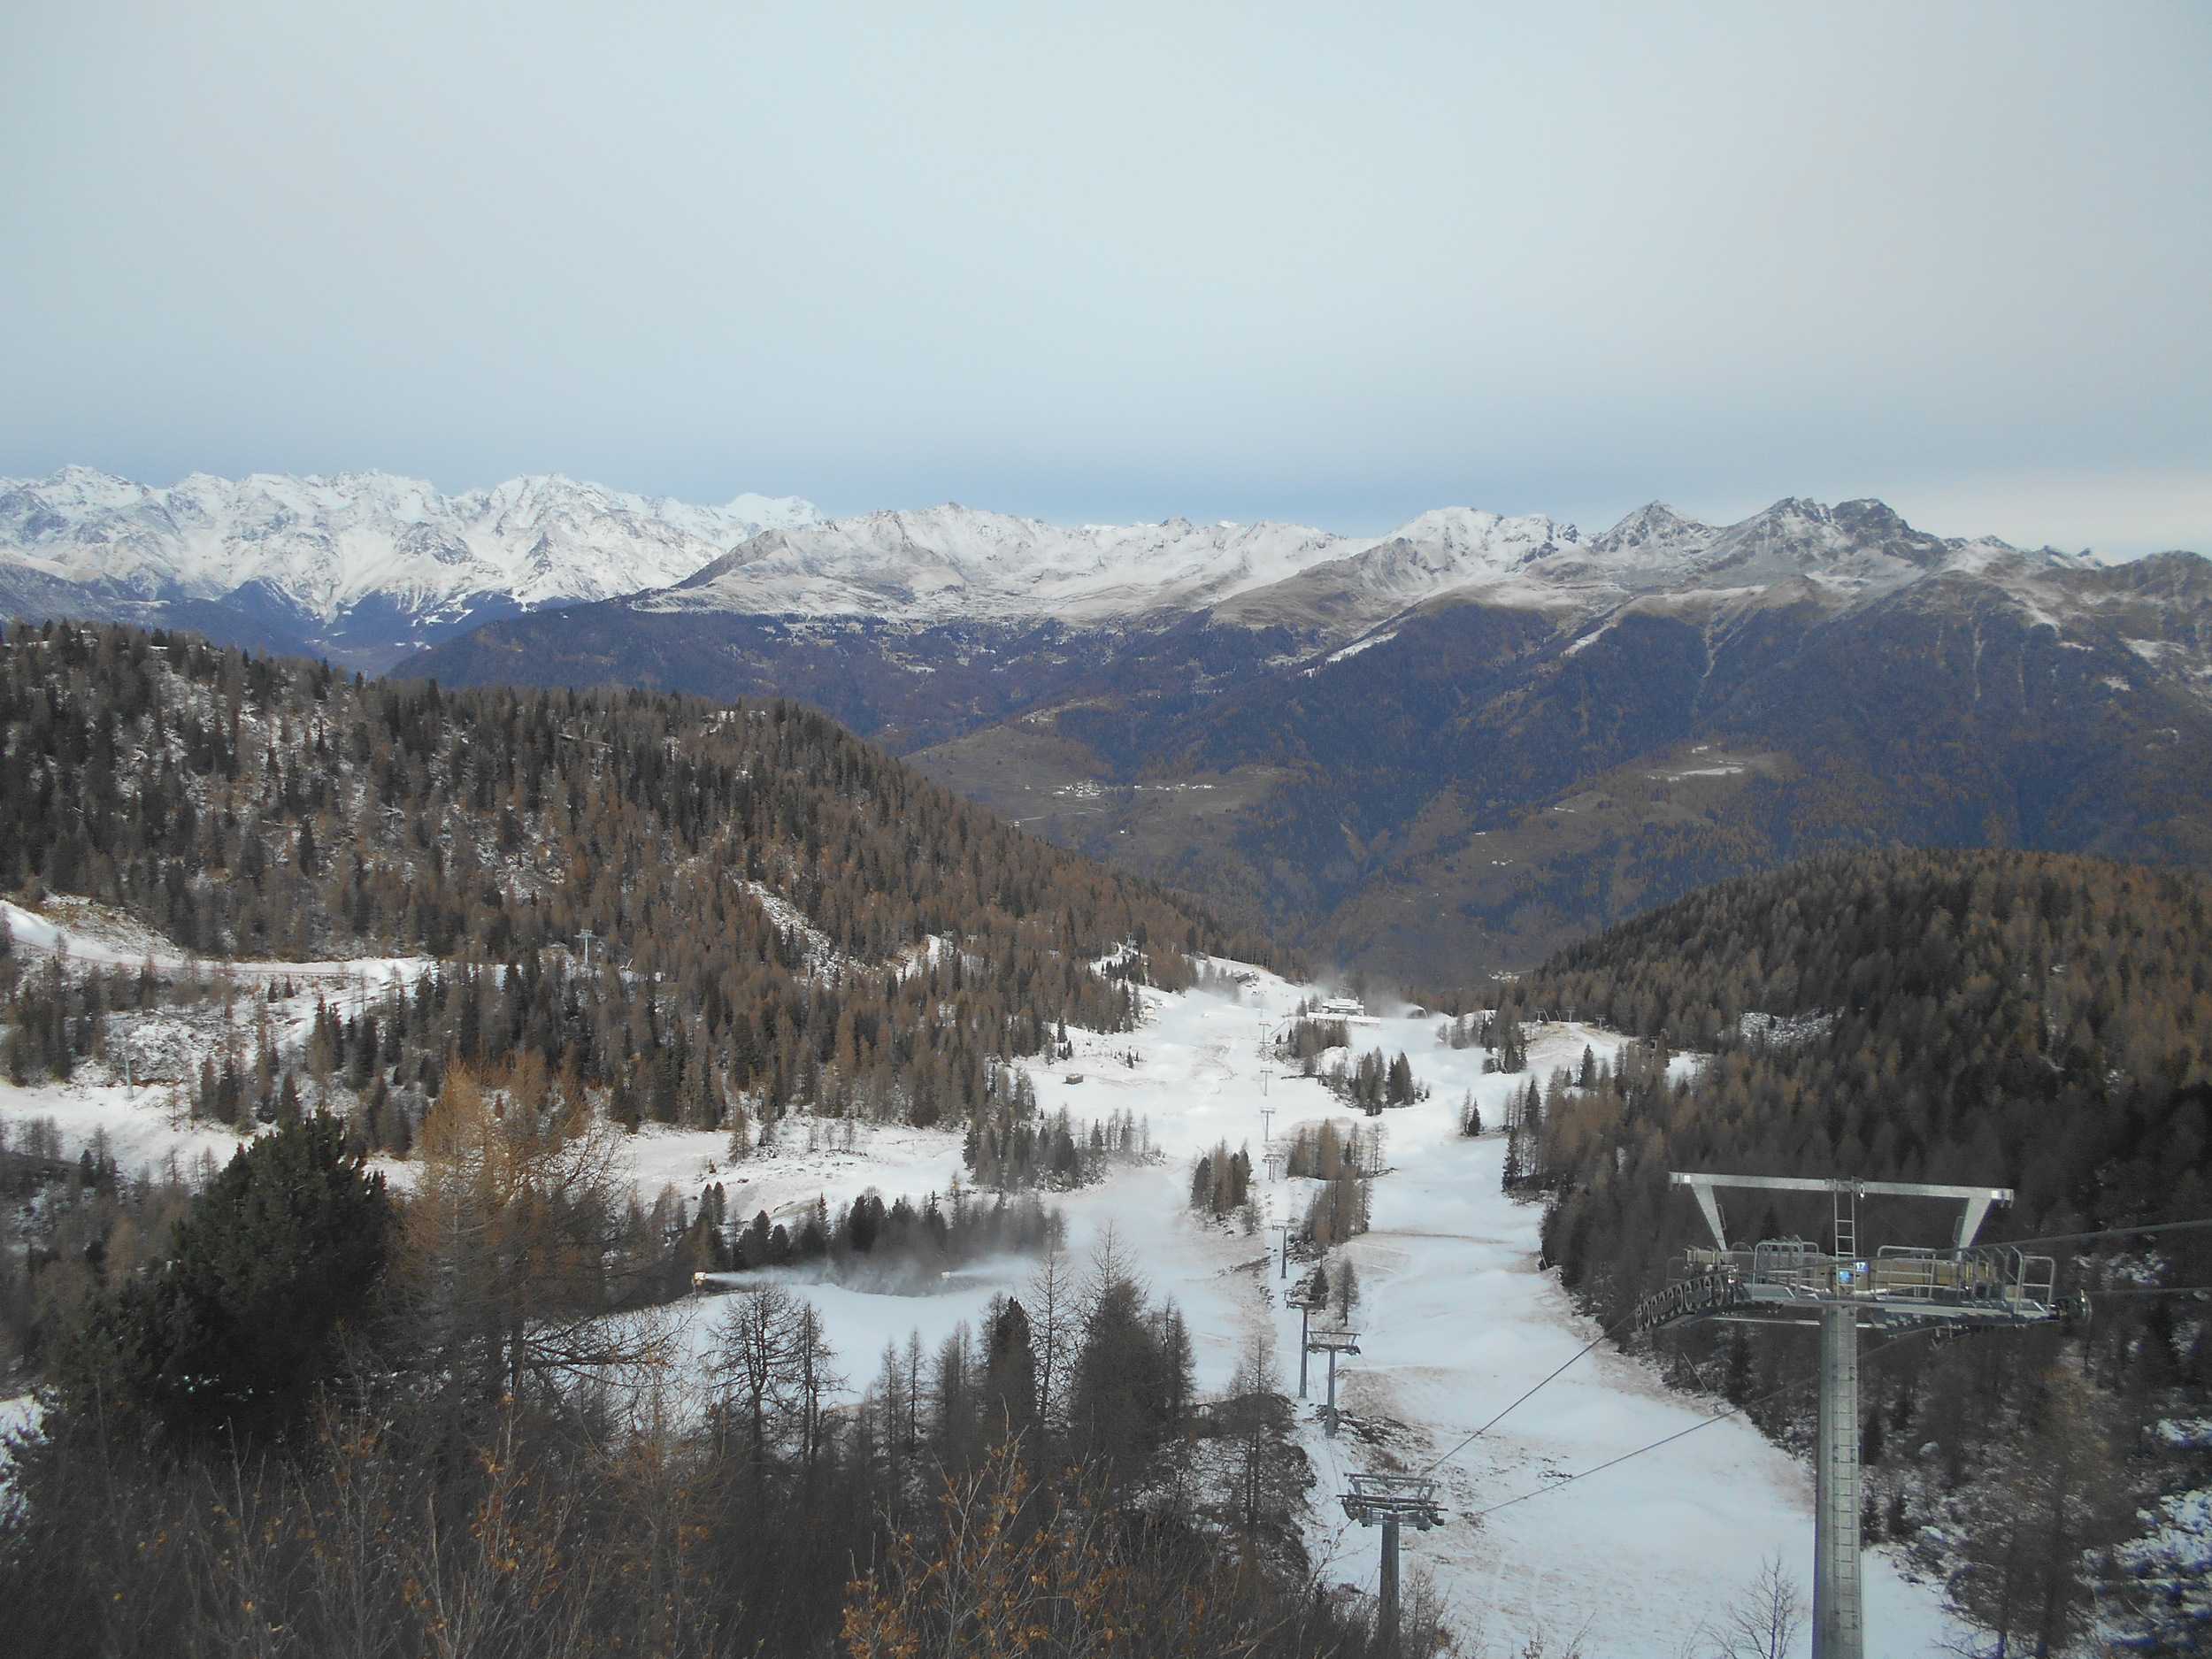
(951, 564)
(363, 560)
(368, 567)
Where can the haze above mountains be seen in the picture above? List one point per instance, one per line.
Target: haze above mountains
(1442, 750)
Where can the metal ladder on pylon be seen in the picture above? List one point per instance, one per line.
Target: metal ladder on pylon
(1847, 1229)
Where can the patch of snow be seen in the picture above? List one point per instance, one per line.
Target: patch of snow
(2169, 1565)
(802, 1159)
(2155, 651)
(91, 934)
(1355, 649)
(19, 1416)
(146, 1126)
(1784, 1031)
(791, 921)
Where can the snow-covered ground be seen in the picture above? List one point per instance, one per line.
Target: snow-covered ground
(88, 932)
(137, 1095)
(1455, 1321)
(803, 1159)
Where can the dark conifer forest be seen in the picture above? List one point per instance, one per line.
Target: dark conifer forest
(780, 913)
(2030, 1020)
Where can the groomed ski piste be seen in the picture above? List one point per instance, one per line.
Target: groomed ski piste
(1456, 1321)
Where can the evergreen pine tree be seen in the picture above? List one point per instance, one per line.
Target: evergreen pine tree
(282, 1248)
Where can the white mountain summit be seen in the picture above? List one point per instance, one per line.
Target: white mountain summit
(333, 560)
(367, 565)
(956, 564)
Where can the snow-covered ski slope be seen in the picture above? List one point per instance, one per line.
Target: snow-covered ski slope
(1455, 1322)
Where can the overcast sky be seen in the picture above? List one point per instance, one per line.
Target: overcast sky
(1336, 264)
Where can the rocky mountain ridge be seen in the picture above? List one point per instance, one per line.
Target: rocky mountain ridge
(363, 566)
(368, 566)
(953, 563)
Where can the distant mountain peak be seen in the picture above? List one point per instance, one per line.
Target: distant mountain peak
(953, 563)
(367, 565)
(1653, 524)
(319, 558)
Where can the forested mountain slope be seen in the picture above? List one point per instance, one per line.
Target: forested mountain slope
(1451, 749)
(2022, 1019)
(1431, 764)
(2018, 1019)
(1487, 814)
(781, 913)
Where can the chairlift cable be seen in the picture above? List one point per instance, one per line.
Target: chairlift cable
(1493, 1422)
(2101, 1232)
(2168, 1227)
(1600, 1337)
(1706, 1423)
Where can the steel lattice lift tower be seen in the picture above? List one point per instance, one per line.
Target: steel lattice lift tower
(1332, 1343)
(1392, 1502)
(1303, 1297)
(1787, 1281)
